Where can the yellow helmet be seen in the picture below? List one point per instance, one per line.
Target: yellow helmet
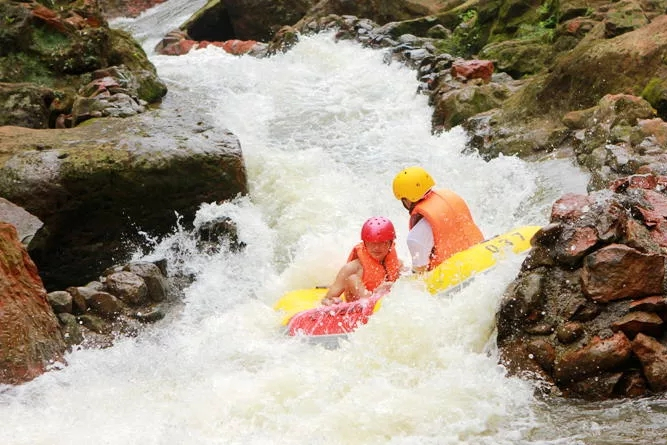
(412, 183)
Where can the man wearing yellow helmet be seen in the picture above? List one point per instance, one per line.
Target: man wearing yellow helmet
(440, 220)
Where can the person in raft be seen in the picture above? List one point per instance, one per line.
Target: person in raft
(372, 264)
(440, 220)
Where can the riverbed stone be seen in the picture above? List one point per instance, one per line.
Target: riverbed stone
(602, 354)
(130, 288)
(60, 301)
(156, 284)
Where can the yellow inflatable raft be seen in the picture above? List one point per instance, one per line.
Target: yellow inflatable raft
(303, 315)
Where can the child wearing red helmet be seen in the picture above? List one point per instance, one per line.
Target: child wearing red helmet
(371, 264)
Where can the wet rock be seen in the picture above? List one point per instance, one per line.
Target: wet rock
(60, 301)
(600, 387)
(618, 271)
(26, 224)
(599, 356)
(608, 310)
(29, 331)
(104, 304)
(150, 314)
(217, 232)
(93, 192)
(543, 353)
(639, 322)
(94, 323)
(156, 284)
(523, 298)
(655, 304)
(128, 287)
(574, 245)
(569, 332)
(633, 384)
(70, 329)
(177, 43)
(80, 296)
(653, 357)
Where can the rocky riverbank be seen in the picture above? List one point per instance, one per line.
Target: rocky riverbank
(587, 312)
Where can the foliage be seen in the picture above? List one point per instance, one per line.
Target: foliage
(466, 39)
(548, 16)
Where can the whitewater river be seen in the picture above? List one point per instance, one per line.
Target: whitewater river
(324, 129)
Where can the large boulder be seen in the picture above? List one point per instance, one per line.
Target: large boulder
(30, 339)
(588, 311)
(101, 188)
(627, 63)
(221, 20)
(50, 56)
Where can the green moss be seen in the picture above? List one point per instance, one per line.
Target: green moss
(654, 90)
(536, 32)
(77, 164)
(22, 67)
(124, 50)
(47, 40)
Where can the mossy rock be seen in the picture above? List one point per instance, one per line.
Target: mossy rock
(655, 92)
(519, 58)
(58, 56)
(96, 187)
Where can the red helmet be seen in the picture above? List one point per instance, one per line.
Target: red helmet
(378, 229)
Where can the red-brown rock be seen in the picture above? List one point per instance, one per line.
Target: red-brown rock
(654, 303)
(638, 322)
(575, 244)
(617, 271)
(569, 207)
(598, 356)
(239, 47)
(30, 338)
(647, 182)
(127, 8)
(473, 69)
(653, 356)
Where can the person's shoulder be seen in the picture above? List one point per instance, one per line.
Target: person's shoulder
(352, 266)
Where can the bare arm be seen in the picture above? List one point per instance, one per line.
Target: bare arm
(349, 281)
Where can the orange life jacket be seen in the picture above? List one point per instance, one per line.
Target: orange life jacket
(375, 273)
(453, 228)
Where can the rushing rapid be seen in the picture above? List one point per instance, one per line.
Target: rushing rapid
(323, 128)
